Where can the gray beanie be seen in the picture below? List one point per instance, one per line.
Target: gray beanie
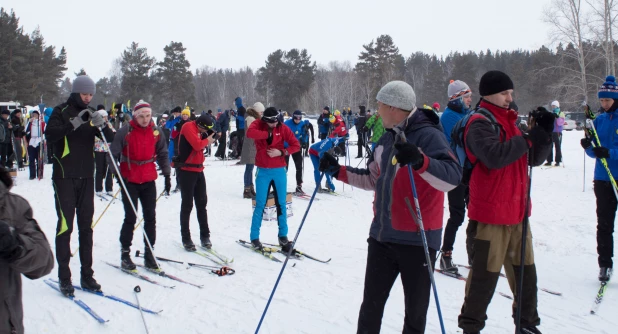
(84, 85)
(457, 89)
(398, 94)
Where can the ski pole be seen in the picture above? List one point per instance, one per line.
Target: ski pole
(123, 186)
(141, 220)
(287, 257)
(524, 234)
(137, 289)
(421, 226)
(590, 123)
(584, 172)
(100, 216)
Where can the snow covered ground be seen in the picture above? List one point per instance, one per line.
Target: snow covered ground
(314, 297)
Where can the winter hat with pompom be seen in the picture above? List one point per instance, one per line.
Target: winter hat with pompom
(609, 89)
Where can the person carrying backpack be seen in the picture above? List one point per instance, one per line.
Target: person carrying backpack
(459, 101)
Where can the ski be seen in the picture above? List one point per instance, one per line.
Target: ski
(504, 276)
(218, 255)
(205, 255)
(449, 274)
(136, 274)
(332, 193)
(166, 275)
(505, 295)
(599, 298)
(219, 271)
(297, 252)
(267, 252)
(303, 196)
(102, 197)
(78, 302)
(114, 298)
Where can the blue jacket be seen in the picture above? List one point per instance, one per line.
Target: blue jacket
(321, 147)
(48, 112)
(448, 120)
(300, 130)
(607, 127)
(323, 123)
(224, 121)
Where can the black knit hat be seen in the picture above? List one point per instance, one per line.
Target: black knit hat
(204, 122)
(494, 82)
(177, 109)
(270, 115)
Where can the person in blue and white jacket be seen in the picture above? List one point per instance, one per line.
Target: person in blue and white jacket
(606, 125)
(299, 128)
(316, 152)
(414, 138)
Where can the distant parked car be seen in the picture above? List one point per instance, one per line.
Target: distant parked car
(569, 124)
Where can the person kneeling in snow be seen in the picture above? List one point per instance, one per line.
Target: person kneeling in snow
(414, 138)
(316, 152)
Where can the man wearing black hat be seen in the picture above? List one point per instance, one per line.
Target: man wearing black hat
(499, 200)
(34, 136)
(324, 123)
(72, 128)
(194, 137)
(6, 143)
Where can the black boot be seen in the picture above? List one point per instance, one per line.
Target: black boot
(89, 283)
(446, 262)
(206, 243)
(188, 245)
(66, 287)
(253, 191)
(530, 330)
(125, 258)
(256, 244)
(247, 193)
(285, 244)
(149, 261)
(605, 274)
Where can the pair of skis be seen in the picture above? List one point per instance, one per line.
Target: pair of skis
(146, 278)
(272, 248)
(556, 293)
(219, 271)
(105, 197)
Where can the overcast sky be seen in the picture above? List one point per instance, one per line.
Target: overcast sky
(237, 33)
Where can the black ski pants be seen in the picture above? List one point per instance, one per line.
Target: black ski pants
(298, 163)
(457, 201)
(222, 149)
(240, 134)
(606, 214)
(146, 193)
(103, 171)
(360, 143)
(74, 197)
(385, 261)
(18, 149)
(193, 188)
(556, 138)
(6, 150)
(33, 160)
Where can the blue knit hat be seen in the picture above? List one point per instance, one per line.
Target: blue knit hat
(609, 89)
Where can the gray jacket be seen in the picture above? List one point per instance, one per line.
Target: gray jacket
(35, 261)
(248, 146)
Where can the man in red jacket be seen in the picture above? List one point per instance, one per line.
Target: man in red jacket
(137, 147)
(269, 136)
(194, 137)
(498, 195)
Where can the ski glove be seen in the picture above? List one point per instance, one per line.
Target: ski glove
(329, 165)
(10, 249)
(84, 116)
(545, 119)
(586, 143)
(168, 184)
(408, 153)
(601, 152)
(97, 120)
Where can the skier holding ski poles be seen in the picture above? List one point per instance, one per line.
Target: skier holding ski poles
(600, 144)
(395, 245)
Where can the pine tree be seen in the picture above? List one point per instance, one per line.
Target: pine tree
(174, 78)
(136, 66)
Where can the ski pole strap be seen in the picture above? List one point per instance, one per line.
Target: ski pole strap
(224, 271)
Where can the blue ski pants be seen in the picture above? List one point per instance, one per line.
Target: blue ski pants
(264, 178)
(316, 173)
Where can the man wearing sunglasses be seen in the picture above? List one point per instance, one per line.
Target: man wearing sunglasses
(269, 137)
(299, 128)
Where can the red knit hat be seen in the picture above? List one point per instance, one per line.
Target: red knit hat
(141, 107)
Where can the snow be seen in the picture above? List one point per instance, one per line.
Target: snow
(314, 297)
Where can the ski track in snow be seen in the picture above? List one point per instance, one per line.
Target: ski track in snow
(314, 297)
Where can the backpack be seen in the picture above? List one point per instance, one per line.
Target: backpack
(458, 145)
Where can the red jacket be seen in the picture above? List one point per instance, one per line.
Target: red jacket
(191, 147)
(339, 128)
(137, 162)
(258, 131)
(499, 181)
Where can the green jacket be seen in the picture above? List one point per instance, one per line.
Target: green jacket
(377, 129)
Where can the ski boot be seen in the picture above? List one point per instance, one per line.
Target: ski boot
(547, 164)
(446, 262)
(149, 261)
(257, 245)
(253, 191)
(247, 193)
(177, 189)
(188, 245)
(89, 283)
(206, 243)
(557, 164)
(299, 190)
(605, 274)
(125, 258)
(323, 190)
(109, 193)
(66, 287)
(286, 245)
(530, 330)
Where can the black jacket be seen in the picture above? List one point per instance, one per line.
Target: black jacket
(73, 155)
(18, 128)
(7, 132)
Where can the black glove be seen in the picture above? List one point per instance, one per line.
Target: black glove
(10, 249)
(216, 137)
(601, 152)
(304, 145)
(312, 140)
(269, 140)
(329, 165)
(586, 143)
(545, 119)
(538, 136)
(408, 153)
(168, 184)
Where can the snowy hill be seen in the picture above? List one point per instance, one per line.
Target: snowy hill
(315, 297)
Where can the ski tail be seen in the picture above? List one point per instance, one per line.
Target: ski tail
(80, 303)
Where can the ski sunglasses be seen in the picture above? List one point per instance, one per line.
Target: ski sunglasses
(270, 119)
(298, 116)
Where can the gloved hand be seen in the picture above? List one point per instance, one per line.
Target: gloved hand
(96, 119)
(586, 143)
(10, 249)
(408, 153)
(329, 165)
(84, 116)
(538, 136)
(168, 184)
(269, 140)
(545, 119)
(601, 152)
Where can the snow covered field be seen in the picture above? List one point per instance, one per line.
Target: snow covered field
(314, 297)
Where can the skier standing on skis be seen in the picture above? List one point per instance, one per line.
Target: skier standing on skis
(193, 139)
(240, 125)
(24, 250)
(395, 247)
(498, 196)
(269, 136)
(247, 157)
(606, 125)
(137, 147)
(460, 100)
(71, 129)
(298, 127)
(103, 169)
(34, 136)
(324, 123)
(185, 114)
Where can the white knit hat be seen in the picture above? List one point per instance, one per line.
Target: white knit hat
(457, 89)
(398, 94)
(259, 107)
(556, 103)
